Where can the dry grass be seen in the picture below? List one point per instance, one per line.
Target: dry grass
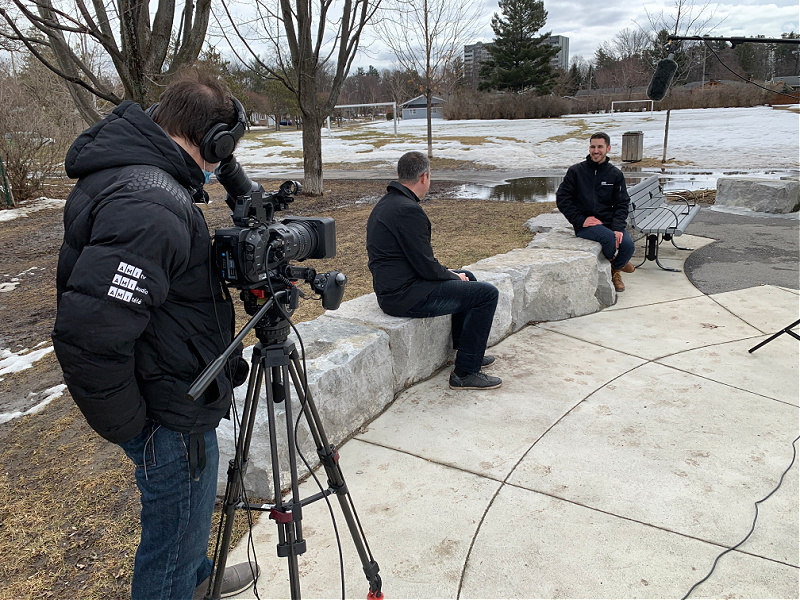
(68, 503)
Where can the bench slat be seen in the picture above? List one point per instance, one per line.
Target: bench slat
(651, 213)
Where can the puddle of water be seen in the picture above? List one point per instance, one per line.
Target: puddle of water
(543, 189)
(525, 189)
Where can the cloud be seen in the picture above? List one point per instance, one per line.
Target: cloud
(588, 23)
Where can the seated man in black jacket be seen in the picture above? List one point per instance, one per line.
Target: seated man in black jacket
(410, 282)
(594, 199)
(141, 312)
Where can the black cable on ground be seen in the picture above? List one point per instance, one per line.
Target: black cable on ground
(752, 528)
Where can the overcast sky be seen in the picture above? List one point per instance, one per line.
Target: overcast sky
(587, 23)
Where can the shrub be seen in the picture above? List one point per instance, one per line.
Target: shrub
(492, 105)
(37, 125)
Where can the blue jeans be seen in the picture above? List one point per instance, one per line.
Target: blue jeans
(472, 304)
(176, 513)
(607, 239)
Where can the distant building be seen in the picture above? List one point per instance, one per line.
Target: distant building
(790, 81)
(474, 56)
(417, 108)
(477, 54)
(560, 60)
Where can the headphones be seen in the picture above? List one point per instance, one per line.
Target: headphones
(220, 141)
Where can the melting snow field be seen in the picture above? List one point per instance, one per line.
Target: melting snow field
(758, 138)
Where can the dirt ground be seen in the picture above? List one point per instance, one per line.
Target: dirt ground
(68, 504)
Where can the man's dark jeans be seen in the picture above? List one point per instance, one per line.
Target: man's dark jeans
(472, 304)
(176, 513)
(607, 239)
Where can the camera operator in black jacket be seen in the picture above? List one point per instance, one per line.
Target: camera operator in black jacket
(141, 311)
(410, 282)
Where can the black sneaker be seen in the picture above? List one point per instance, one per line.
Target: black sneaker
(237, 578)
(474, 381)
(488, 359)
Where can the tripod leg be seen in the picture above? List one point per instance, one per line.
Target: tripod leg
(288, 516)
(787, 329)
(329, 458)
(236, 470)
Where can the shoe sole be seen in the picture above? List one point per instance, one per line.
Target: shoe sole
(463, 387)
(236, 592)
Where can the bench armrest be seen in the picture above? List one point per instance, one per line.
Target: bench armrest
(684, 196)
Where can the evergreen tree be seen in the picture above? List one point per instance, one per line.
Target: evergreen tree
(574, 80)
(787, 57)
(520, 60)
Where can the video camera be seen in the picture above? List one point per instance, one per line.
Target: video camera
(255, 253)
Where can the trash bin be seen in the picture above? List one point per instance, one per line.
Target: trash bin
(632, 146)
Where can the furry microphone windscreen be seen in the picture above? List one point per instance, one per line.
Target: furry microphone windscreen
(665, 71)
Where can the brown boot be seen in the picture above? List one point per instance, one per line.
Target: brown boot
(628, 268)
(616, 279)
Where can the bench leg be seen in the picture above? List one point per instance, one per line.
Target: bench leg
(672, 239)
(651, 253)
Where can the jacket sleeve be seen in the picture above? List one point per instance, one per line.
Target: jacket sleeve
(622, 202)
(413, 231)
(565, 199)
(136, 247)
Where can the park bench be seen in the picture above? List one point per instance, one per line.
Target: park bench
(660, 215)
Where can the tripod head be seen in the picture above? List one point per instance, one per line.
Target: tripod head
(273, 326)
(269, 320)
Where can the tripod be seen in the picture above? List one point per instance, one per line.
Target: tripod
(787, 329)
(274, 363)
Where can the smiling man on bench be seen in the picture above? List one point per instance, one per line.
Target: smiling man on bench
(594, 199)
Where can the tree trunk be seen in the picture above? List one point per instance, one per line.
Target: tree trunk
(312, 154)
(428, 99)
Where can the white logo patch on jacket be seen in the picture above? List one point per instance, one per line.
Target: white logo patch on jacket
(125, 280)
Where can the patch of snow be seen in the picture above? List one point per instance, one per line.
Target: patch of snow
(42, 203)
(13, 362)
(49, 394)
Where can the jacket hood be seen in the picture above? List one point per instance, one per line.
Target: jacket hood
(129, 137)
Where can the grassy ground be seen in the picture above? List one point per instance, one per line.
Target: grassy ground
(68, 504)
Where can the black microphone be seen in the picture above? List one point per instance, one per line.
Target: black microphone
(659, 86)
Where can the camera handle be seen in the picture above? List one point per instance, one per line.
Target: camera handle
(214, 368)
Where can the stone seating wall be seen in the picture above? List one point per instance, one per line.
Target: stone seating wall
(358, 358)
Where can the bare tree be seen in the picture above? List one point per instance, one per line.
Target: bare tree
(37, 125)
(307, 39)
(621, 62)
(426, 36)
(142, 46)
(401, 84)
(686, 18)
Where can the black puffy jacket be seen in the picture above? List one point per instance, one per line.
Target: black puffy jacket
(594, 190)
(140, 309)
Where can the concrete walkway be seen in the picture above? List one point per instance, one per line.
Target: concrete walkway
(623, 453)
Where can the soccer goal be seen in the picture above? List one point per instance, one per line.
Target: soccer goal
(392, 104)
(643, 103)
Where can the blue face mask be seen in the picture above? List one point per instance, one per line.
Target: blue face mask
(207, 175)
